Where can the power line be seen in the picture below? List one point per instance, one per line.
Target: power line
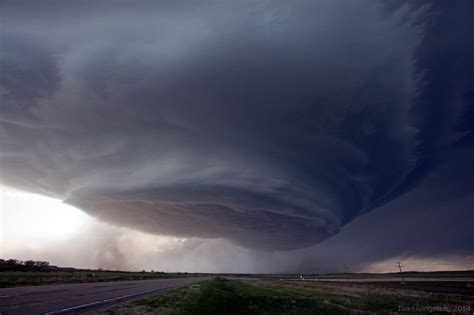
(401, 272)
(346, 268)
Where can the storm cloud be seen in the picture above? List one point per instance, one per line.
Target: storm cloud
(270, 124)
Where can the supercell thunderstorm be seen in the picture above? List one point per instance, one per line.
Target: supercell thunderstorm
(272, 125)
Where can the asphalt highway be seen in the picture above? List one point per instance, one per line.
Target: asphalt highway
(73, 298)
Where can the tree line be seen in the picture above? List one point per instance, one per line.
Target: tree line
(19, 265)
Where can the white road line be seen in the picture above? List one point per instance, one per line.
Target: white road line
(4, 296)
(78, 307)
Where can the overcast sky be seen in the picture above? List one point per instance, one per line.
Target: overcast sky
(271, 132)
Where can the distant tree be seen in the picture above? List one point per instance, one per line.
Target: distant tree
(29, 265)
(13, 264)
(18, 265)
(42, 265)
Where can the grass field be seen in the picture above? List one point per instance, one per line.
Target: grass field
(229, 296)
(22, 278)
(448, 275)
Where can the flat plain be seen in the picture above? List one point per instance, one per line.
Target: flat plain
(273, 296)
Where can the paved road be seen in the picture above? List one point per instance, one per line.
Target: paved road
(71, 298)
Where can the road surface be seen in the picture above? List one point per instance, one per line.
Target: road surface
(72, 298)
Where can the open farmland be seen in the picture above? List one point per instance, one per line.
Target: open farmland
(28, 278)
(257, 296)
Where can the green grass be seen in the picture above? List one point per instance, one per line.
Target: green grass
(222, 296)
(171, 299)
(451, 284)
(251, 296)
(365, 297)
(343, 276)
(22, 278)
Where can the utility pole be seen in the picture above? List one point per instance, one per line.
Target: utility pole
(401, 272)
(346, 268)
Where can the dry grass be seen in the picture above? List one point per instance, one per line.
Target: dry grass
(163, 304)
(368, 297)
(257, 296)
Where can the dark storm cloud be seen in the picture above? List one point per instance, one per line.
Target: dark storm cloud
(267, 123)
